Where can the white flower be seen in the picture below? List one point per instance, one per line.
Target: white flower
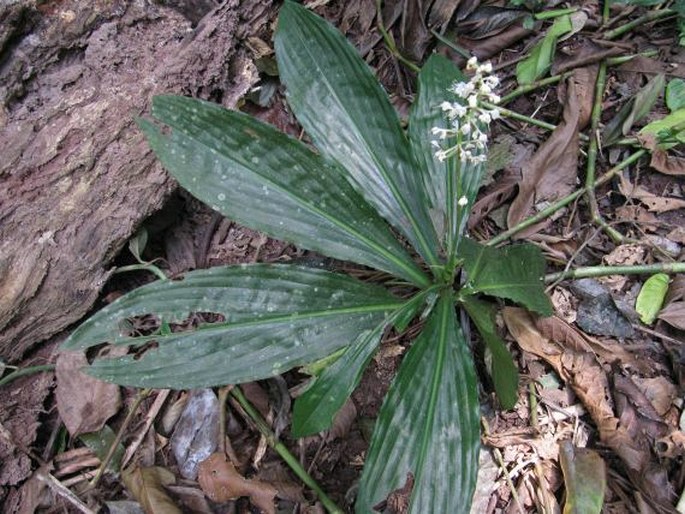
(463, 201)
(468, 121)
(485, 67)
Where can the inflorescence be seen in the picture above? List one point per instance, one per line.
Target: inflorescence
(469, 121)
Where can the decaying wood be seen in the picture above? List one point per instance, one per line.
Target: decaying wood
(76, 176)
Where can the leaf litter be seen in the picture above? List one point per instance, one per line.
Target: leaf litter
(621, 391)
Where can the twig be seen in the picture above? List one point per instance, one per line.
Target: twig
(658, 335)
(63, 492)
(285, 454)
(543, 214)
(503, 467)
(603, 271)
(149, 420)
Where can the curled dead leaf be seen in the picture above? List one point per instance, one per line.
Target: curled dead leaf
(221, 482)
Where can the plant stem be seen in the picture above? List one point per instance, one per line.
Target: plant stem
(540, 216)
(520, 117)
(603, 271)
(285, 454)
(647, 18)
(142, 267)
(26, 371)
(461, 51)
(590, 170)
(527, 88)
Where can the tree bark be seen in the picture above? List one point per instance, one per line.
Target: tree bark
(76, 176)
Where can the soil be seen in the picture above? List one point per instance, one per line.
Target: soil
(80, 182)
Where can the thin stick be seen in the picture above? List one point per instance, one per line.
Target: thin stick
(120, 435)
(543, 214)
(285, 454)
(63, 492)
(503, 467)
(149, 420)
(603, 271)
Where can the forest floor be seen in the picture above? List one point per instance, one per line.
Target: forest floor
(592, 369)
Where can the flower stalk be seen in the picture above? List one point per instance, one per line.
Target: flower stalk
(462, 142)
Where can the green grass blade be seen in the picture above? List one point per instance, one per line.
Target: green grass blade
(347, 114)
(276, 317)
(428, 428)
(262, 178)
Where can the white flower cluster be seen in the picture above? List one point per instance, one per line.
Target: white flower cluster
(468, 119)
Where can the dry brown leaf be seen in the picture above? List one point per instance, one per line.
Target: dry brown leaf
(147, 486)
(221, 482)
(590, 383)
(653, 202)
(674, 315)
(343, 420)
(557, 330)
(676, 289)
(622, 255)
(660, 392)
(564, 304)
(677, 235)
(649, 66)
(638, 215)
(84, 403)
(667, 163)
(553, 170)
(493, 197)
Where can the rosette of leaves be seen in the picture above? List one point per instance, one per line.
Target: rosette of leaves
(367, 192)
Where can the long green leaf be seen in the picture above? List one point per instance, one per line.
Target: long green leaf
(316, 408)
(347, 114)
(276, 317)
(252, 173)
(503, 371)
(514, 272)
(428, 427)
